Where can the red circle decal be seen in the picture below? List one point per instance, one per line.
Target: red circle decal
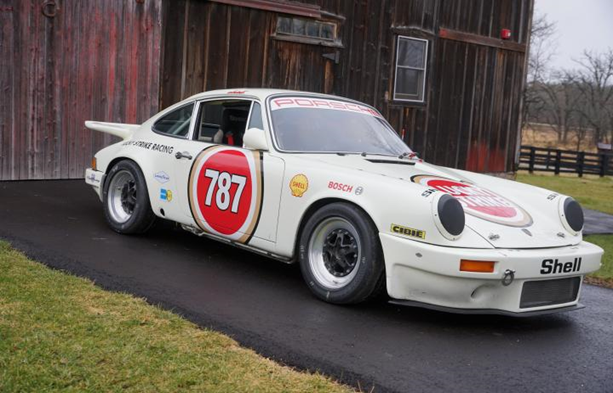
(226, 192)
(217, 192)
(478, 201)
(476, 198)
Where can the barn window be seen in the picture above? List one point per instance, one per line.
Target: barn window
(411, 58)
(306, 28)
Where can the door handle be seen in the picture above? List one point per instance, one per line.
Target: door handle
(184, 154)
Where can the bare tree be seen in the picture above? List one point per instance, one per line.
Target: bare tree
(560, 108)
(542, 50)
(581, 130)
(594, 82)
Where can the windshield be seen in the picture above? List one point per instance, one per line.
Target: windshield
(329, 126)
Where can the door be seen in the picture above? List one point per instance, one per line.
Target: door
(223, 183)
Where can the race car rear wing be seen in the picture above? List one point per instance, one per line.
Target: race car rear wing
(122, 130)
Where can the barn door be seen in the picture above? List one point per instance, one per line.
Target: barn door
(297, 65)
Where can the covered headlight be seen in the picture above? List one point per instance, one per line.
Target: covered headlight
(449, 216)
(571, 215)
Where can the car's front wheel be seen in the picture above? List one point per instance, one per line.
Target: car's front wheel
(340, 255)
(126, 199)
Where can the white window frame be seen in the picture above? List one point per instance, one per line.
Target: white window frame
(424, 69)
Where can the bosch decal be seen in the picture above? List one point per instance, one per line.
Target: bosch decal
(340, 186)
(478, 201)
(226, 192)
(161, 177)
(299, 185)
(411, 232)
(553, 266)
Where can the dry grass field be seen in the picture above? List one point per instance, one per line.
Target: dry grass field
(543, 135)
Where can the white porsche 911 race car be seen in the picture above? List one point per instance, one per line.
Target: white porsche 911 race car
(326, 181)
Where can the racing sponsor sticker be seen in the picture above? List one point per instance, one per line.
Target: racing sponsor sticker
(340, 186)
(479, 202)
(150, 146)
(165, 195)
(406, 231)
(162, 177)
(321, 103)
(298, 185)
(226, 192)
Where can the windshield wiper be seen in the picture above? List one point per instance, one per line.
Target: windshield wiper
(364, 154)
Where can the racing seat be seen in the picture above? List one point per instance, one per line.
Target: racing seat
(232, 127)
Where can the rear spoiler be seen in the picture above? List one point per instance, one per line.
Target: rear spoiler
(124, 131)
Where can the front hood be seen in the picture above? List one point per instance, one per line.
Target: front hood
(505, 213)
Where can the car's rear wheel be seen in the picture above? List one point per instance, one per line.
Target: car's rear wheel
(340, 255)
(126, 199)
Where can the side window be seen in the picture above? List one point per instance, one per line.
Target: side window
(223, 121)
(411, 58)
(176, 123)
(255, 121)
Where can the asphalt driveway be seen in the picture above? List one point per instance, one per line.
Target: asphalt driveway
(265, 305)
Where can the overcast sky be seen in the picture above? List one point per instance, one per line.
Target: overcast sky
(581, 24)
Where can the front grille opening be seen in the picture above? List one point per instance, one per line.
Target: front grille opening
(549, 292)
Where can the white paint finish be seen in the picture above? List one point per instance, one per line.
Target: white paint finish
(388, 196)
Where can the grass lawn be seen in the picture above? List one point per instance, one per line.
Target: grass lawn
(592, 192)
(61, 333)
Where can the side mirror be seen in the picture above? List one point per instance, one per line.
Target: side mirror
(255, 139)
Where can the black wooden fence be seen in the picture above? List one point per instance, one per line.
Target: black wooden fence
(565, 161)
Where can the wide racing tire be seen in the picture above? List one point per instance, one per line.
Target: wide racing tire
(126, 199)
(340, 255)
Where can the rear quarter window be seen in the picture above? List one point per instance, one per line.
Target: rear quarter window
(175, 123)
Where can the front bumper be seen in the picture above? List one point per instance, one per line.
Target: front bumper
(425, 274)
(96, 180)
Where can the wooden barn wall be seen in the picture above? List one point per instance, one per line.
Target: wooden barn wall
(94, 59)
(473, 90)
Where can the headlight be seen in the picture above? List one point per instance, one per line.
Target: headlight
(449, 216)
(571, 215)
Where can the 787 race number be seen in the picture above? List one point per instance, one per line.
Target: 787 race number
(226, 191)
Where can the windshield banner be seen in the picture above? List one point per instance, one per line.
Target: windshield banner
(320, 103)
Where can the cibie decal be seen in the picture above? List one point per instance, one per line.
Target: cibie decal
(299, 185)
(165, 195)
(411, 232)
(320, 103)
(479, 202)
(226, 191)
(161, 177)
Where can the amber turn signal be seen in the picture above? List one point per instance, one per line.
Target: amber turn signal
(94, 163)
(467, 265)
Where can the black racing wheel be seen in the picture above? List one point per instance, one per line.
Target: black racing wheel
(340, 255)
(126, 200)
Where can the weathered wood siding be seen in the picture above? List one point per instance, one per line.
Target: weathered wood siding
(122, 60)
(94, 59)
(473, 90)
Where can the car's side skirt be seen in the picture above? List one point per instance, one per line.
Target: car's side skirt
(198, 232)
